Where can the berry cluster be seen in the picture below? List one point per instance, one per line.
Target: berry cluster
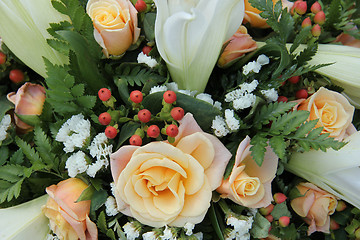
(15, 75)
(300, 93)
(105, 117)
(316, 16)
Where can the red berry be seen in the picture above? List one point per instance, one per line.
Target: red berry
(319, 18)
(16, 76)
(270, 218)
(105, 118)
(282, 99)
(146, 50)
(300, 7)
(144, 115)
(172, 130)
(316, 7)
(110, 132)
(284, 221)
(2, 58)
(266, 210)
(279, 198)
(136, 96)
(334, 225)
(316, 30)
(135, 140)
(104, 94)
(294, 79)
(302, 93)
(177, 113)
(169, 97)
(140, 5)
(306, 22)
(153, 131)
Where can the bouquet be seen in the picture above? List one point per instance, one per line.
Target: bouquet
(154, 119)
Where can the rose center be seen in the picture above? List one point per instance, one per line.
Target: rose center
(328, 114)
(247, 186)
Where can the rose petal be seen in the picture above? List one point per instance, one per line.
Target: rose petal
(120, 159)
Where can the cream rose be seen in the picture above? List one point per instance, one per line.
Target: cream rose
(115, 23)
(163, 184)
(315, 206)
(333, 110)
(69, 219)
(248, 184)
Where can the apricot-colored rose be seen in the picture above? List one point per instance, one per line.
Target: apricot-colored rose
(169, 184)
(333, 110)
(69, 219)
(239, 44)
(252, 15)
(115, 23)
(316, 207)
(29, 100)
(248, 184)
(348, 40)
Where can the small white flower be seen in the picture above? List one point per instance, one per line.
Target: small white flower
(271, 94)
(4, 126)
(167, 234)
(189, 227)
(249, 87)
(172, 86)
(99, 147)
(205, 97)
(230, 235)
(130, 230)
(245, 236)
(241, 227)
(113, 187)
(262, 60)
(155, 89)
(217, 104)
(219, 126)
(76, 164)
(110, 206)
(232, 123)
(149, 236)
(95, 167)
(74, 133)
(246, 101)
(143, 58)
(233, 95)
(52, 237)
(251, 67)
(199, 235)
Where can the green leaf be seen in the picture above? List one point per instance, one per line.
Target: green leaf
(17, 157)
(29, 152)
(300, 38)
(278, 145)
(8, 190)
(4, 155)
(5, 105)
(215, 222)
(87, 101)
(32, 120)
(59, 6)
(260, 227)
(127, 130)
(305, 128)
(87, 194)
(98, 199)
(149, 26)
(288, 122)
(280, 210)
(78, 90)
(258, 148)
(11, 173)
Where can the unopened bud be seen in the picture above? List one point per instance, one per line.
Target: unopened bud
(316, 30)
(319, 18)
(315, 8)
(284, 221)
(279, 197)
(266, 210)
(306, 22)
(300, 7)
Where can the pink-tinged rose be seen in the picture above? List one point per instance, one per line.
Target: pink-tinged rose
(115, 24)
(69, 219)
(252, 15)
(239, 44)
(169, 184)
(315, 207)
(348, 40)
(28, 100)
(333, 110)
(248, 184)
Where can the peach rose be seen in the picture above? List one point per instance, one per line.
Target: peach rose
(248, 184)
(316, 207)
(239, 44)
(115, 23)
(69, 219)
(170, 184)
(333, 110)
(252, 15)
(29, 100)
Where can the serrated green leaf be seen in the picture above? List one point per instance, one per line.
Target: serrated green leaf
(43, 146)
(4, 154)
(305, 128)
(288, 122)
(300, 38)
(271, 111)
(29, 152)
(101, 222)
(278, 145)
(59, 46)
(59, 6)
(86, 101)
(11, 173)
(78, 90)
(280, 210)
(17, 157)
(8, 190)
(258, 148)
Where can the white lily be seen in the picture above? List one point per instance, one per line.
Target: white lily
(189, 35)
(23, 30)
(336, 172)
(345, 70)
(25, 221)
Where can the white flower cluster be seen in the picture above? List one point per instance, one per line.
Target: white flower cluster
(131, 231)
(241, 227)
(271, 95)
(149, 236)
(223, 126)
(143, 58)
(100, 150)
(242, 97)
(207, 98)
(167, 234)
(74, 133)
(4, 126)
(232, 123)
(76, 164)
(111, 207)
(52, 237)
(255, 66)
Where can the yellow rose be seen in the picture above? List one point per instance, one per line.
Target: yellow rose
(115, 23)
(316, 207)
(333, 110)
(248, 184)
(28, 100)
(163, 184)
(69, 219)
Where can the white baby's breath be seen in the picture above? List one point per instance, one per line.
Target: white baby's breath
(99, 147)
(205, 97)
(249, 87)
(219, 126)
(74, 133)
(76, 164)
(217, 104)
(189, 228)
(4, 126)
(149, 236)
(110, 206)
(263, 59)
(251, 67)
(131, 231)
(232, 123)
(241, 226)
(96, 166)
(143, 58)
(271, 95)
(156, 89)
(246, 101)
